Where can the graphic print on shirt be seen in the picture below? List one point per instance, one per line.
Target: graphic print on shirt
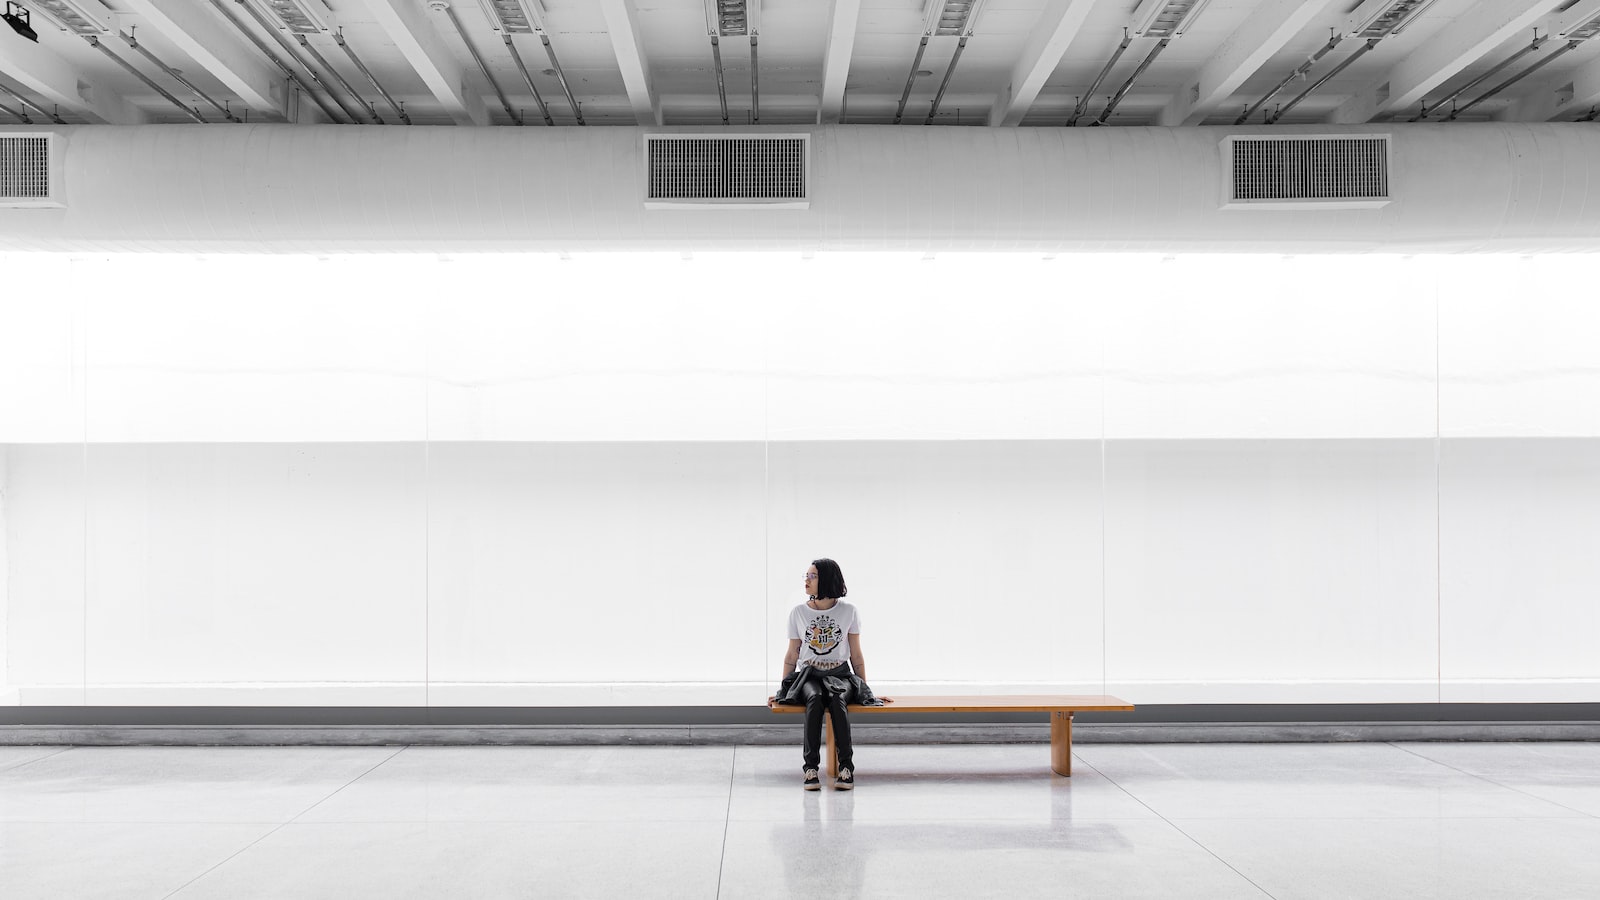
(823, 635)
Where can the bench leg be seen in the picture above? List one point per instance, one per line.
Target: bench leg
(830, 753)
(1061, 743)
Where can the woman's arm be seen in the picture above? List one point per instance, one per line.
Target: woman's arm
(791, 657)
(857, 663)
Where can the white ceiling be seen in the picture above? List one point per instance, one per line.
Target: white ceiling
(1052, 50)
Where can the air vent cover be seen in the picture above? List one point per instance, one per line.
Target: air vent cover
(25, 170)
(1312, 171)
(696, 170)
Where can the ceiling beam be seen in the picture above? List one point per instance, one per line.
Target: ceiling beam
(1463, 42)
(1059, 22)
(1270, 27)
(197, 31)
(53, 80)
(622, 21)
(836, 59)
(413, 33)
(1558, 97)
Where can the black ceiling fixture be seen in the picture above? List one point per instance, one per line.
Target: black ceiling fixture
(20, 20)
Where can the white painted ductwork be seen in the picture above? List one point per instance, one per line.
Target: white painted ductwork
(279, 188)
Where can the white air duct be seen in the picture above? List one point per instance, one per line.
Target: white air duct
(291, 188)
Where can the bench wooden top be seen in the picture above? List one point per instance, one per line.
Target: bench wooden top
(924, 703)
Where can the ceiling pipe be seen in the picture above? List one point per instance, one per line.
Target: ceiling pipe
(273, 58)
(1568, 47)
(94, 41)
(906, 95)
(21, 114)
(954, 58)
(29, 104)
(722, 90)
(444, 7)
(755, 83)
(398, 110)
(367, 108)
(1083, 102)
(288, 50)
(1299, 72)
(1426, 110)
(561, 76)
(544, 111)
(1360, 52)
(1128, 85)
(177, 76)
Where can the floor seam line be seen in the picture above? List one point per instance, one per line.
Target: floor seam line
(29, 762)
(282, 825)
(1496, 784)
(1179, 830)
(727, 819)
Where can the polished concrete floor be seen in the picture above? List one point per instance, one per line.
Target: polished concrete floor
(1414, 820)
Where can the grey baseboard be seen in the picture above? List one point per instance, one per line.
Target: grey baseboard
(778, 734)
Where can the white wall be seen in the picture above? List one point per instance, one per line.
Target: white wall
(274, 188)
(527, 480)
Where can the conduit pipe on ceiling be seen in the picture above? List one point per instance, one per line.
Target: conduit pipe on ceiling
(755, 84)
(722, 89)
(398, 111)
(29, 104)
(1360, 52)
(369, 109)
(544, 111)
(562, 76)
(94, 41)
(1565, 49)
(21, 114)
(1426, 110)
(1298, 72)
(273, 58)
(954, 58)
(132, 41)
(444, 7)
(1082, 105)
(288, 50)
(906, 95)
(1128, 85)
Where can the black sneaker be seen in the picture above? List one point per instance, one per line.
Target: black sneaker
(846, 779)
(812, 782)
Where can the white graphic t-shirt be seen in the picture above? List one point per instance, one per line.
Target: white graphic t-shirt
(822, 633)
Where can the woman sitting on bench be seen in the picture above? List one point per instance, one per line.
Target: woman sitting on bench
(819, 632)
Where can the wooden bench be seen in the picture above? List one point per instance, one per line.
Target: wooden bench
(1060, 707)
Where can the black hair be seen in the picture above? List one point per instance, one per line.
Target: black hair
(830, 581)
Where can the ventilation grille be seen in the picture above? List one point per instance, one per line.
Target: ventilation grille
(24, 168)
(1311, 169)
(732, 169)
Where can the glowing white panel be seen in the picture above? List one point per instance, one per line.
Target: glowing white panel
(1267, 347)
(975, 564)
(571, 572)
(627, 347)
(1250, 570)
(253, 349)
(961, 347)
(44, 535)
(1519, 617)
(255, 564)
(41, 351)
(1519, 347)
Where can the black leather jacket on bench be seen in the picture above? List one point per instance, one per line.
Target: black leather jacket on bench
(852, 688)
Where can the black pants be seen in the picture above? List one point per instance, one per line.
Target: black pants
(819, 698)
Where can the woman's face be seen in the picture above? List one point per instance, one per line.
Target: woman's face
(811, 581)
